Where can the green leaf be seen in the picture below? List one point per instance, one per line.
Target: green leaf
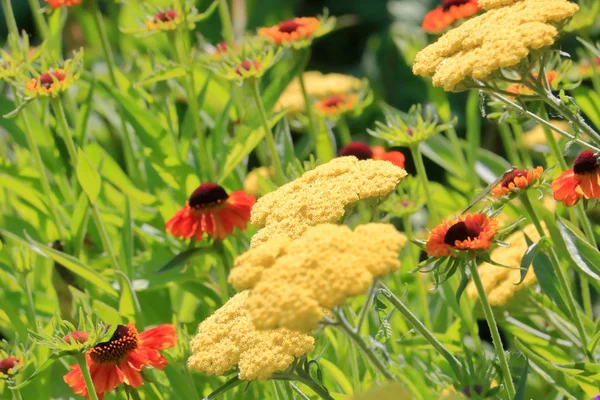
(439, 150)
(325, 147)
(184, 256)
(88, 177)
(74, 265)
(227, 386)
(522, 388)
(127, 238)
(585, 256)
(163, 75)
(528, 257)
(589, 102)
(41, 368)
(24, 191)
(545, 275)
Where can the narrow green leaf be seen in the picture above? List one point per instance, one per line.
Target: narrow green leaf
(42, 367)
(184, 256)
(522, 388)
(585, 256)
(227, 386)
(88, 177)
(545, 274)
(84, 115)
(128, 227)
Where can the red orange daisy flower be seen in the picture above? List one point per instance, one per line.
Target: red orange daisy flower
(583, 181)
(517, 179)
(60, 3)
(449, 12)
(122, 357)
(8, 365)
(363, 151)
(212, 211)
(472, 232)
(291, 30)
(336, 104)
(166, 20)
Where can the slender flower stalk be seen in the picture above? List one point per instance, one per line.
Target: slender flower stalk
(130, 154)
(344, 131)
(87, 377)
(65, 131)
(418, 325)
(279, 177)
(489, 316)
(365, 349)
(422, 175)
(561, 276)
(302, 377)
(473, 135)
(38, 16)
(310, 113)
(9, 16)
(525, 155)
(509, 144)
(226, 24)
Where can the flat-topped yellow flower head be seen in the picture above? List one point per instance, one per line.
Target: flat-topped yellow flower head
(499, 38)
(322, 195)
(499, 283)
(228, 340)
(294, 281)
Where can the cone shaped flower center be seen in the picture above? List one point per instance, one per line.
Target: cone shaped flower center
(586, 162)
(46, 79)
(7, 364)
(289, 26)
(165, 16)
(207, 195)
(509, 178)
(446, 4)
(360, 150)
(122, 342)
(460, 231)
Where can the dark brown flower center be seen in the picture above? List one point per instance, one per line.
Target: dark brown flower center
(446, 4)
(122, 342)
(333, 101)
(360, 150)
(7, 363)
(165, 16)
(288, 26)
(586, 162)
(460, 231)
(46, 79)
(510, 177)
(207, 195)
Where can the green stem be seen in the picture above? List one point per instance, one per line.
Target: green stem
(344, 131)
(308, 381)
(551, 141)
(222, 270)
(509, 144)
(422, 175)
(525, 155)
(458, 152)
(183, 54)
(366, 350)
(418, 325)
(362, 315)
(279, 177)
(16, 393)
(421, 284)
(489, 316)
(9, 16)
(473, 134)
(561, 276)
(589, 233)
(68, 139)
(40, 21)
(87, 377)
(227, 27)
(313, 129)
(30, 303)
(132, 161)
(592, 58)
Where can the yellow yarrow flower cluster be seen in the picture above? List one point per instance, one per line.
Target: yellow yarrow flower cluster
(318, 86)
(499, 283)
(490, 4)
(322, 195)
(228, 340)
(318, 271)
(499, 38)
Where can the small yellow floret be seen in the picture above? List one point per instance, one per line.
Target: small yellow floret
(499, 283)
(318, 271)
(322, 196)
(228, 339)
(499, 38)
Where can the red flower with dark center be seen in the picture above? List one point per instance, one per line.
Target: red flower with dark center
(472, 232)
(517, 179)
(165, 16)
(122, 357)
(336, 104)
(246, 65)
(77, 336)
(583, 181)
(6, 364)
(449, 12)
(291, 30)
(363, 151)
(212, 211)
(46, 79)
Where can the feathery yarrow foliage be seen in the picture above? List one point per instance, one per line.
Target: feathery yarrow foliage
(228, 341)
(294, 281)
(322, 195)
(497, 39)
